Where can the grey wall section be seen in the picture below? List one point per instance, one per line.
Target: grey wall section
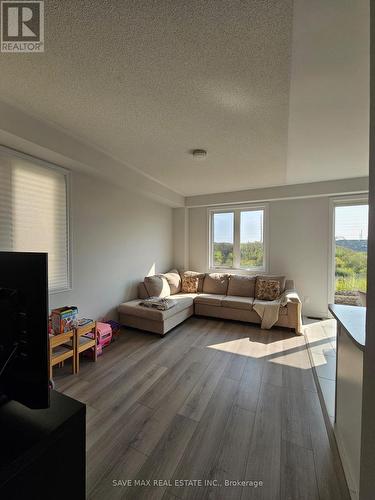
(299, 242)
(118, 237)
(367, 483)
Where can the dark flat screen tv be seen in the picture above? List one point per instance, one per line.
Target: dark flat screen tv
(24, 371)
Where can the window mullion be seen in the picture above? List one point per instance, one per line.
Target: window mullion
(237, 239)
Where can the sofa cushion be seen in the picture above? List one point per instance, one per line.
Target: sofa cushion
(267, 289)
(209, 299)
(280, 279)
(157, 286)
(216, 283)
(190, 284)
(241, 286)
(200, 277)
(133, 308)
(174, 280)
(236, 302)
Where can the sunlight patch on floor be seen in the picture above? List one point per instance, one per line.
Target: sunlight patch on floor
(231, 346)
(287, 351)
(294, 360)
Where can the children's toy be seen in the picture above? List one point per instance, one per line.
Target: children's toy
(104, 333)
(64, 319)
(104, 337)
(116, 327)
(84, 321)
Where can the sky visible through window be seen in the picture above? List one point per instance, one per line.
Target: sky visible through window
(223, 227)
(251, 227)
(351, 222)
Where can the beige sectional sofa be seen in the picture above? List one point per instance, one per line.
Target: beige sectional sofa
(218, 295)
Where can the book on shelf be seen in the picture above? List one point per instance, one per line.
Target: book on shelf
(84, 321)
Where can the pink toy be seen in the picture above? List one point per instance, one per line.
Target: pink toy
(104, 333)
(104, 337)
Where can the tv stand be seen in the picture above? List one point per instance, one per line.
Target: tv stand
(38, 448)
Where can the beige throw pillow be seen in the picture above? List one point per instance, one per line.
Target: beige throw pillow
(190, 284)
(174, 279)
(241, 286)
(157, 286)
(267, 289)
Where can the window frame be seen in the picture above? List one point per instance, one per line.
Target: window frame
(338, 201)
(236, 210)
(9, 152)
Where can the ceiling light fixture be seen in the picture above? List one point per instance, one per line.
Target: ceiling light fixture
(199, 154)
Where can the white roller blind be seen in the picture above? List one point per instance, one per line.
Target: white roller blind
(34, 214)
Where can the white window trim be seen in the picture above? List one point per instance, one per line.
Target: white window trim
(236, 238)
(337, 202)
(5, 151)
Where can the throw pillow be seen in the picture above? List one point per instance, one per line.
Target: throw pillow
(174, 279)
(200, 277)
(241, 286)
(157, 286)
(190, 284)
(274, 277)
(267, 289)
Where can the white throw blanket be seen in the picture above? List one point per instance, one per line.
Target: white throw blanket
(158, 303)
(268, 310)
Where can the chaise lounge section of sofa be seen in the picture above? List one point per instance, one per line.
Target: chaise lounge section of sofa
(218, 295)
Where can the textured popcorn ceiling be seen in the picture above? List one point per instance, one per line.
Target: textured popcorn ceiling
(147, 81)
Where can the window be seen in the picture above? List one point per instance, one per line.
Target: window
(237, 239)
(350, 255)
(34, 213)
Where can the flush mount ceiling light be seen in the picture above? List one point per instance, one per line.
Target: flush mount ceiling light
(199, 154)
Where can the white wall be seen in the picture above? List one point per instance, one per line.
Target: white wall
(118, 237)
(299, 248)
(181, 238)
(198, 239)
(298, 244)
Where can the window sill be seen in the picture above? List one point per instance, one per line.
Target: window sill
(233, 270)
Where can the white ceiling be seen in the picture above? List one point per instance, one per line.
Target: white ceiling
(149, 81)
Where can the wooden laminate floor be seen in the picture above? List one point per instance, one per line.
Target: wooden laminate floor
(211, 402)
